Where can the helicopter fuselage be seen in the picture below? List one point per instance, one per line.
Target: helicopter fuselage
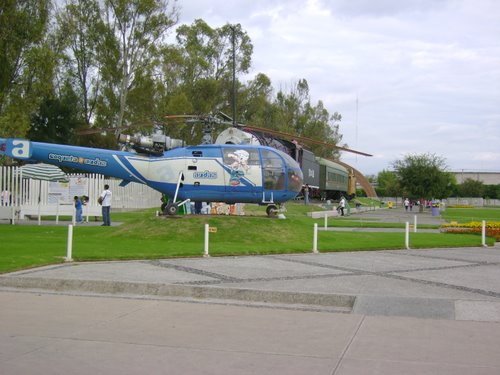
(210, 173)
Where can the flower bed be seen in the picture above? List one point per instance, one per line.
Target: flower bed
(492, 228)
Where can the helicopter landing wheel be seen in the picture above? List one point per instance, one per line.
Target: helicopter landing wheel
(272, 210)
(170, 209)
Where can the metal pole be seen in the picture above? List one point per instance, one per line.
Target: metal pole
(234, 74)
(69, 248)
(315, 239)
(326, 221)
(179, 179)
(407, 236)
(415, 224)
(205, 254)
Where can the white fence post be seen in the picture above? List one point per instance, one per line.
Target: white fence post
(483, 233)
(326, 220)
(205, 253)
(415, 224)
(407, 236)
(69, 247)
(39, 214)
(315, 239)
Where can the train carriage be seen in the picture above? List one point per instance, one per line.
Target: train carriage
(333, 179)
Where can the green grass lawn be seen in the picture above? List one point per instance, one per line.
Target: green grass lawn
(463, 215)
(145, 236)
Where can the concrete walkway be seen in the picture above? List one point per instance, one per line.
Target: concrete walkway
(434, 311)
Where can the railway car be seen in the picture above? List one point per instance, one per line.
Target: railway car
(333, 179)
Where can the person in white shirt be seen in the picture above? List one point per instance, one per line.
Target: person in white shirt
(342, 206)
(406, 204)
(106, 196)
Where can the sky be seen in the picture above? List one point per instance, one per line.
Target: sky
(408, 77)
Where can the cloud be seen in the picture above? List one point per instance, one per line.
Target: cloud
(407, 76)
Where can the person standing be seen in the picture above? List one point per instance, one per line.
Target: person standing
(78, 209)
(342, 206)
(105, 198)
(406, 203)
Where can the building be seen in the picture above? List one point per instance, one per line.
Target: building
(487, 178)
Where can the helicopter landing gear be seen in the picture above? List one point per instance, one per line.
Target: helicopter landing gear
(170, 209)
(272, 210)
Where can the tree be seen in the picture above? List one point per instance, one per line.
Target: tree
(471, 188)
(56, 118)
(207, 52)
(388, 185)
(423, 176)
(26, 62)
(293, 113)
(492, 191)
(81, 30)
(197, 73)
(136, 31)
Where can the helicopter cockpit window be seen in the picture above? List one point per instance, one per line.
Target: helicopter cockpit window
(273, 170)
(295, 177)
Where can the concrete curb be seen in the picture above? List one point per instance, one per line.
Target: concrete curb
(171, 290)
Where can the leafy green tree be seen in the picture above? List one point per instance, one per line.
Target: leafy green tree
(56, 118)
(293, 113)
(492, 191)
(207, 52)
(388, 185)
(198, 72)
(423, 176)
(136, 31)
(26, 62)
(471, 188)
(255, 100)
(81, 30)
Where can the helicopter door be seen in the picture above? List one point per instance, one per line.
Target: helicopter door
(243, 167)
(273, 171)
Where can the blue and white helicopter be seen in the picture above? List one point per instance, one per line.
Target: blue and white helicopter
(207, 173)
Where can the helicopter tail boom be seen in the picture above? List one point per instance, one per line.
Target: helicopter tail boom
(93, 160)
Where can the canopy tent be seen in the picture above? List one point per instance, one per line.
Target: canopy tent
(42, 171)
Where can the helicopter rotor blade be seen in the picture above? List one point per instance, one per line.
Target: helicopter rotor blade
(304, 139)
(223, 119)
(89, 131)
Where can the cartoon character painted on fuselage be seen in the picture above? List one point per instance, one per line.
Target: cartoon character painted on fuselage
(240, 160)
(238, 167)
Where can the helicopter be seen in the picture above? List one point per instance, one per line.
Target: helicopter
(327, 179)
(204, 173)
